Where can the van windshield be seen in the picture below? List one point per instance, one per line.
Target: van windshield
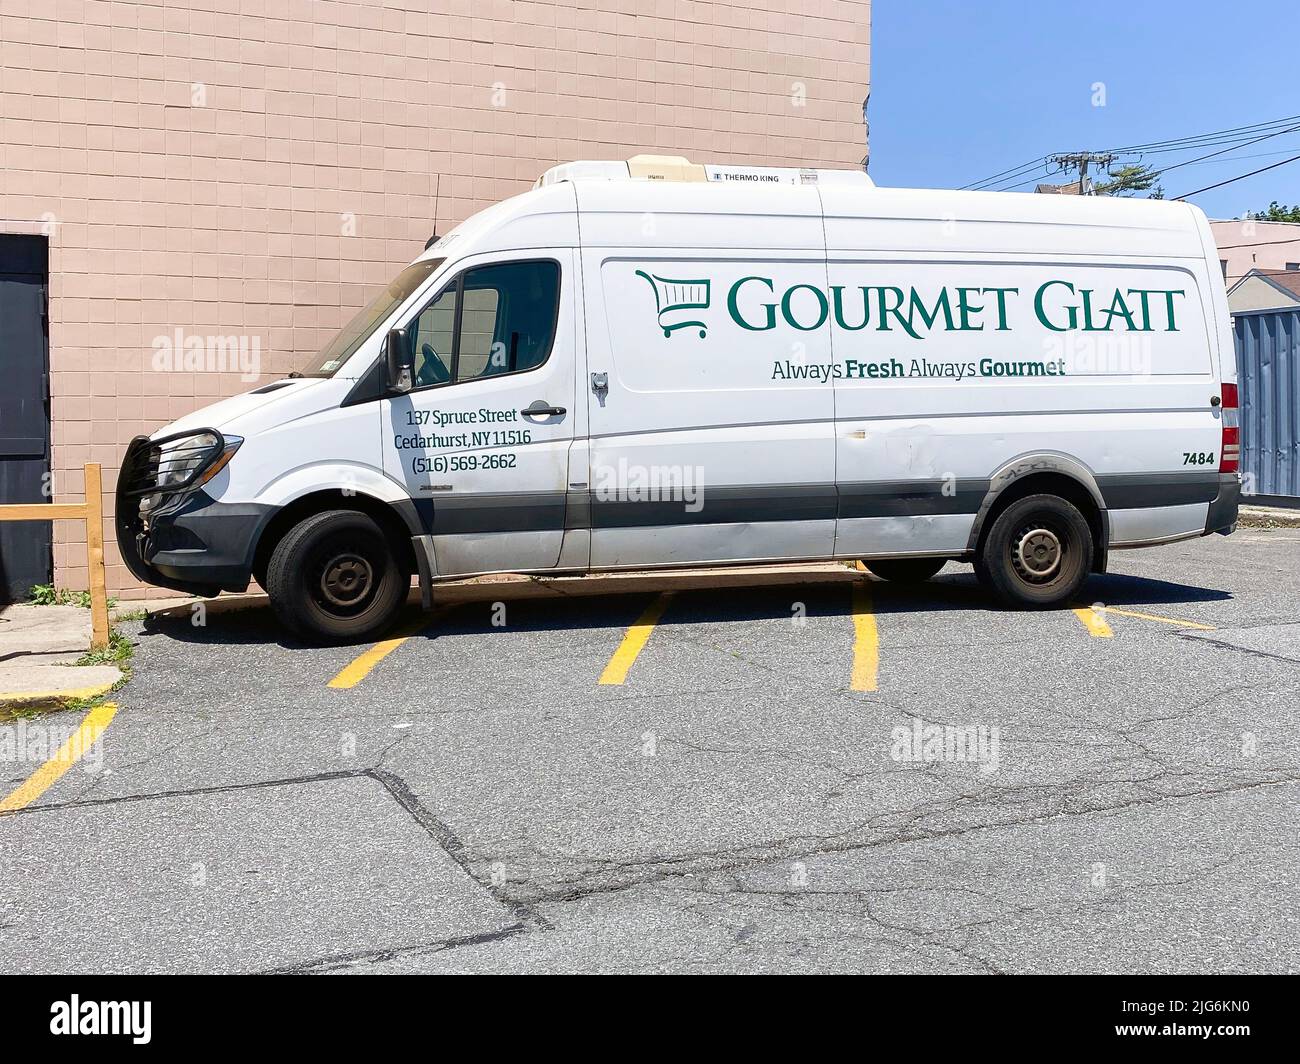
(354, 333)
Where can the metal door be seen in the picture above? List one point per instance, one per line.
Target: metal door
(1268, 367)
(25, 546)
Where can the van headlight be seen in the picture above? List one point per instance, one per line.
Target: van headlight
(182, 463)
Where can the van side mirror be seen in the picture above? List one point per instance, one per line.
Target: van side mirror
(399, 362)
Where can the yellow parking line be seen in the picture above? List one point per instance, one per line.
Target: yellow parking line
(1163, 620)
(1094, 621)
(634, 641)
(359, 668)
(40, 781)
(866, 640)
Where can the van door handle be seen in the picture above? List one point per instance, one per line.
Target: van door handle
(540, 409)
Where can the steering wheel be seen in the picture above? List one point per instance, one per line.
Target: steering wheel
(433, 371)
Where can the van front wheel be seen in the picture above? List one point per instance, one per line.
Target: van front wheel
(334, 578)
(1038, 553)
(905, 570)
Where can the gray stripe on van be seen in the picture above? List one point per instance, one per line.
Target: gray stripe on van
(451, 515)
(1138, 491)
(912, 498)
(457, 515)
(730, 505)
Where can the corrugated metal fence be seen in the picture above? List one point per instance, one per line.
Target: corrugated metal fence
(1268, 368)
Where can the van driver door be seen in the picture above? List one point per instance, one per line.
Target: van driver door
(482, 440)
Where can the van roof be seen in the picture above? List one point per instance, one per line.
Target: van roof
(615, 198)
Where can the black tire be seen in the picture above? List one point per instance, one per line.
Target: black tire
(335, 578)
(1038, 553)
(905, 570)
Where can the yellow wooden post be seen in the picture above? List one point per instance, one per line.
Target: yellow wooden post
(42, 511)
(92, 512)
(95, 556)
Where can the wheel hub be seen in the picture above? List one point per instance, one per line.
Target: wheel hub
(346, 579)
(1037, 553)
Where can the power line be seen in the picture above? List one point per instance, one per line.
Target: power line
(1189, 162)
(1238, 136)
(1240, 177)
(1041, 164)
(1245, 131)
(985, 181)
(1243, 158)
(1013, 172)
(1032, 181)
(1237, 141)
(1221, 151)
(1190, 146)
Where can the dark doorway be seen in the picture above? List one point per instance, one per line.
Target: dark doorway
(26, 556)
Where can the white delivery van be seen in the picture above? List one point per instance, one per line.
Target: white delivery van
(653, 364)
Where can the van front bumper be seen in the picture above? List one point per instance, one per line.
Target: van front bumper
(204, 547)
(1222, 517)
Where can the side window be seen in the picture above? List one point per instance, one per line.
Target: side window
(478, 326)
(431, 335)
(507, 317)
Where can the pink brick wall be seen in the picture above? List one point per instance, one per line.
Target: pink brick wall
(254, 169)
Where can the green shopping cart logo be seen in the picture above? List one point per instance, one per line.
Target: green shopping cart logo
(674, 296)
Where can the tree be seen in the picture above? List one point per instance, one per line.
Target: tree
(1278, 212)
(1128, 179)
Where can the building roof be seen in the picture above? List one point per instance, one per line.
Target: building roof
(1258, 222)
(1285, 281)
(1072, 189)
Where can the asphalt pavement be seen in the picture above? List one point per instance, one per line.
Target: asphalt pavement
(813, 772)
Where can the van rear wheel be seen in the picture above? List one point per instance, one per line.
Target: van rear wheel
(1038, 553)
(335, 578)
(905, 570)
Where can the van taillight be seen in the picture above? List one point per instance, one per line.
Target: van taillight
(1230, 450)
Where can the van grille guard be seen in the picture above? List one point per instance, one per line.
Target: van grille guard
(141, 467)
(139, 478)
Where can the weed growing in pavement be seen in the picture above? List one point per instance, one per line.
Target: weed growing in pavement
(49, 595)
(118, 652)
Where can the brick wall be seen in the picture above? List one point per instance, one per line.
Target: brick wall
(254, 168)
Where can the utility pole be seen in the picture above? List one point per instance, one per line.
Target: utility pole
(1080, 161)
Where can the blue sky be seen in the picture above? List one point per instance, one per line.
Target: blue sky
(962, 90)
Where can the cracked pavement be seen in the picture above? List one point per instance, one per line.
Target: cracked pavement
(479, 803)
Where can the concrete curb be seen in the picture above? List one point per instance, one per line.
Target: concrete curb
(1267, 517)
(24, 683)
